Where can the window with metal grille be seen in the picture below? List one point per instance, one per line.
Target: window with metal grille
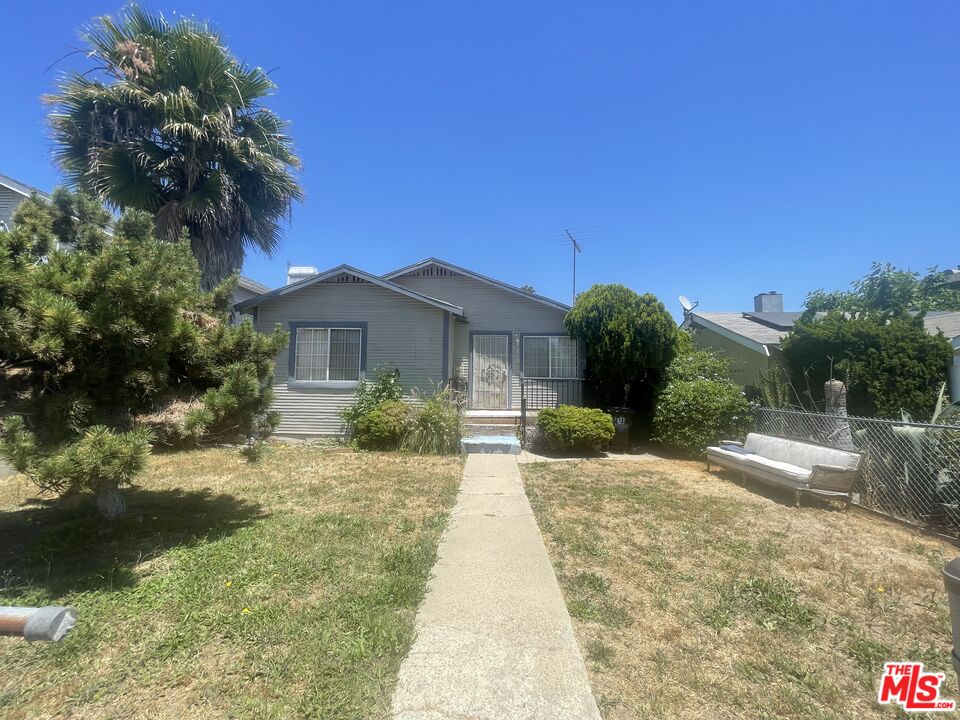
(549, 356)
(327, 354)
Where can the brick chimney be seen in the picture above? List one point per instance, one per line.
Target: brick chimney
(771, 302)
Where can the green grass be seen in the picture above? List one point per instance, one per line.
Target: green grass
(283, 589)
(694, 597)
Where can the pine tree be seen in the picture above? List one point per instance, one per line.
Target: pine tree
(107, 336)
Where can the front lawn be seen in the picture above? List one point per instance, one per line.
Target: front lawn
(283, 589)
(693, 597)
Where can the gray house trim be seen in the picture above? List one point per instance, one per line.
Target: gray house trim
(509, 334)
(252, 285)
(477, 276)
(373, 279)
(21, 188)
(548, 334)
(291, 364)
(445, 367)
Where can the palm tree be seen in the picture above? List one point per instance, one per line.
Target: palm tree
(170, 122)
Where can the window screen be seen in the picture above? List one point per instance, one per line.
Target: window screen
(563, 357)
(536, 357)
(327, 354)
(549, 357)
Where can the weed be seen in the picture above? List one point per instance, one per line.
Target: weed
(601, 653)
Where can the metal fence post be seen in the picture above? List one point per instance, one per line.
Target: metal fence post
(523, 412)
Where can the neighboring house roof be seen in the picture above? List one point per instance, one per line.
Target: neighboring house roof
(339, 270)
(760, 330)
(476, 276)
(252, 285)
(781, 320)
(945, 321)
(20, 188)
(757, 331)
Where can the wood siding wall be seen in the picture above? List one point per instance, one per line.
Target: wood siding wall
(488, 309)
(402, 333)
(9, 201)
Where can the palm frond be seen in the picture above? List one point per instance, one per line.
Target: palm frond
(173, 124)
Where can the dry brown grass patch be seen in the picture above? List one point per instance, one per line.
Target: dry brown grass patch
(695, 597)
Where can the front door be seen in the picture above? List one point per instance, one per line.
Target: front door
(491, 372)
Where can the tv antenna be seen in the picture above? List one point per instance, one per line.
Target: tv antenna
(687, 306)
(576, 249)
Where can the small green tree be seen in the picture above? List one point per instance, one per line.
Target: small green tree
(109, 331)
(699, 404)
(369, 395)
(626, 334)
(887, 291)
(889, 363)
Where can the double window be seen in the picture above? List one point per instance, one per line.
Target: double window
(327, 354)
(549, 356)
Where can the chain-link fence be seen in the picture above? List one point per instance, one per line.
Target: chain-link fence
(910, 470)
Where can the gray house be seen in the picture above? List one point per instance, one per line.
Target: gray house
(12, 193)
(436, 323)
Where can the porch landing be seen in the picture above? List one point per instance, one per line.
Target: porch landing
(490, 445)
(491, 423)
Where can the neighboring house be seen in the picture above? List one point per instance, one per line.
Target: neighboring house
(947, 322)
(750, 339)
(434, 322)
(247, 288)
(12, 193)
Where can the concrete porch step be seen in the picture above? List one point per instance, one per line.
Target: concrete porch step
(490, 444)
(492, 417)
(473, 429)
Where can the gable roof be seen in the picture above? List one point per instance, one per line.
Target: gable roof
(252, 285)
(340, 269)
(745, 328)
(945, 321)
(477, 276)
(20, 188)
(759, 330)
(780, 320)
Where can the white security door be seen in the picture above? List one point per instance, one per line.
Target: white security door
(491, 372)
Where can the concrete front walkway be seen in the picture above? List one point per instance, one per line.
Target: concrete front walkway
(494, 640)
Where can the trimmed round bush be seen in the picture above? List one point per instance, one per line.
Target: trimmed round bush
(384, 427)
(693, 414)
(574, 428)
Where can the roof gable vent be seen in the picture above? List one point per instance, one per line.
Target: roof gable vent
(345, 277)
(432, 270)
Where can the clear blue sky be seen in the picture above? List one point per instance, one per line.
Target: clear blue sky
(711, 149)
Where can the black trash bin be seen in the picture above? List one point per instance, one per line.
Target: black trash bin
(951, 579)
(622, 422)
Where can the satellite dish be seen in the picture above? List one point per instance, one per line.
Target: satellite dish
(685, 303)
